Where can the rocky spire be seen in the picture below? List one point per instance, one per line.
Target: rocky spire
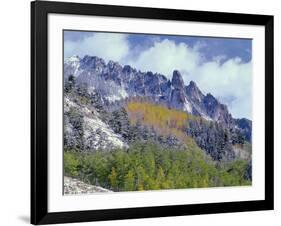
(194, 92)
(177, 81)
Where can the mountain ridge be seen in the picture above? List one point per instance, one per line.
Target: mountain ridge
(115, 82)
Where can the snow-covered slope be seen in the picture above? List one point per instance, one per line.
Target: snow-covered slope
(83, 127)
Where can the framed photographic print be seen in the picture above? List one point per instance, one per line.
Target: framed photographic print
(144, 112)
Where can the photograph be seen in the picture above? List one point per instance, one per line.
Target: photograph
(140, 112)
(146, 112)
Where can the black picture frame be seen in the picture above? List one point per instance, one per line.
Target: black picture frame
(39, 112)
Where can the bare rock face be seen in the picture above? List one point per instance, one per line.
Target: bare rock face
(178, 97)
(194, 93)
(245, 126)
(217, 111)
(177, 81)
(74, 186)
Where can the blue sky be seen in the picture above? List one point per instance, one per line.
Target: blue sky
(229, 47)
(221, 66)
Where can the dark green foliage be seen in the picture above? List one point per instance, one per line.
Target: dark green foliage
(71, 164)
(248, 172)
(149, 167)
(97, 103)
(75, 119)
(120, 124)
(216, 140)
(69, 83)
(237, 137)
(234, 173)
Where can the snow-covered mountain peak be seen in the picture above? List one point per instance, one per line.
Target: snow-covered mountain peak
(73, 59)
(115, 82)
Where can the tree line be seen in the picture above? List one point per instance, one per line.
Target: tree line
(146, 166)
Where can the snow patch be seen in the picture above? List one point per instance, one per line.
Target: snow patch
(120, 94)
(97, 134)
(73, 64)
(206, 117)
(72, 59)
(187, 106)
(101, 134)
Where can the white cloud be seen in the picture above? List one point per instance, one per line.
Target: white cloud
(105, 45)
(165, 56)
(231, 82)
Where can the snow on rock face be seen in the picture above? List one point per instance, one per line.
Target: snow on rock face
(241, 152)
(97, 135)
(178, 98)
(187, 106)
(84, 128)
(74, 60)
(73, 186)
(216, 110)
(115, 93)
(68, 104)
(179, 101)
(92, 63)
(193, 92)
(71, 66)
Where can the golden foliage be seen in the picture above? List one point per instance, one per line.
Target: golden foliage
(162, 119)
